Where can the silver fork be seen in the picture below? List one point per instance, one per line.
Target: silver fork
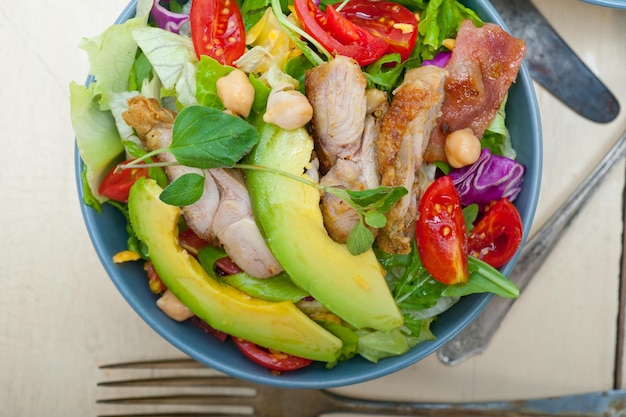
(268, 401)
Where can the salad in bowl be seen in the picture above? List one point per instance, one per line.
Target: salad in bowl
(302, 193)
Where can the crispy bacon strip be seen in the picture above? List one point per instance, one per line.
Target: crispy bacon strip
(484, 63)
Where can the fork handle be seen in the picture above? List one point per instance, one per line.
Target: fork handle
(475, 337)
(596, 404)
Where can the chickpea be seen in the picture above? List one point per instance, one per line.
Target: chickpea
(236, 92)
(462, 148)
(173, 307)
(288, 109)
(374, 98)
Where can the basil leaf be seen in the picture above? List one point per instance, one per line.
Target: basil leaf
(375, 218)
(186, 190)
(382, 198)
(360, 239)
(208, 138)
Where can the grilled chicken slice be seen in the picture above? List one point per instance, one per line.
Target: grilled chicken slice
(236, 229)
(222, 216)
(344, 139)
(405, 133)
(336, 91)
(153, 125)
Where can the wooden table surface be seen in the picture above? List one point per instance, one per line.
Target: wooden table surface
(61, 317)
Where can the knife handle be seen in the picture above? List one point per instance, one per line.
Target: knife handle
(474, 338)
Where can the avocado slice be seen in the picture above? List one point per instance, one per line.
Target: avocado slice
(277, 325)
(289, 216)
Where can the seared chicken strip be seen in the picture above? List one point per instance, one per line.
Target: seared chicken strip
(236, 229)
(336, 91)
(344, 131)
(223, 214)
(153, 125)
(405, 133)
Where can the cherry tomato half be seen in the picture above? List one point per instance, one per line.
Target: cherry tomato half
(274, 361)
(226, 266)
(497, 235)
(441, 233)
(117, 182)
(338, 35)
(217, 30)
(393, 23)
(205, 327)
(154, 280)
(191, 241)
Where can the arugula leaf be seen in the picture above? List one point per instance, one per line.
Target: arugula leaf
(382, 76)
(204, 137)
(277, 288)
(184, 191)
(483, 278)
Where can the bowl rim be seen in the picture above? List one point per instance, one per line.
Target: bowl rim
(330, 379)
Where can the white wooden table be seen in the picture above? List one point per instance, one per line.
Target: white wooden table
(60, 316)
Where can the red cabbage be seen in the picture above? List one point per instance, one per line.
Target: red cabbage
(490, 178)
(166, 19)
(440, 60)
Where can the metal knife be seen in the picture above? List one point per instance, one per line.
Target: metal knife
(554, 65)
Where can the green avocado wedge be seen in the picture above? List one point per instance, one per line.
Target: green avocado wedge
(276, 325)
(289, 216)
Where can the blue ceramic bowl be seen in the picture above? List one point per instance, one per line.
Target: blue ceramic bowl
(616, 4)
(107, 232)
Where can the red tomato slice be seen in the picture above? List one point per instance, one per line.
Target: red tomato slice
(338, 35)
(205, 327)
(226, 266)
(497, 235)
(154, 280)
(274, 361)
(116, 184)
(191, 241)
(441, 234)
(393, 23)
(217, 30)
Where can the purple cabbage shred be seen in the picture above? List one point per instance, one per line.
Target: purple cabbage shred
(166, 19)
(440, 60)
(490, 178)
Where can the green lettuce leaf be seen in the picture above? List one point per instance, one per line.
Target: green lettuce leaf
(97, 137)
(112, 55)
(440, 20)
(173, 59)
